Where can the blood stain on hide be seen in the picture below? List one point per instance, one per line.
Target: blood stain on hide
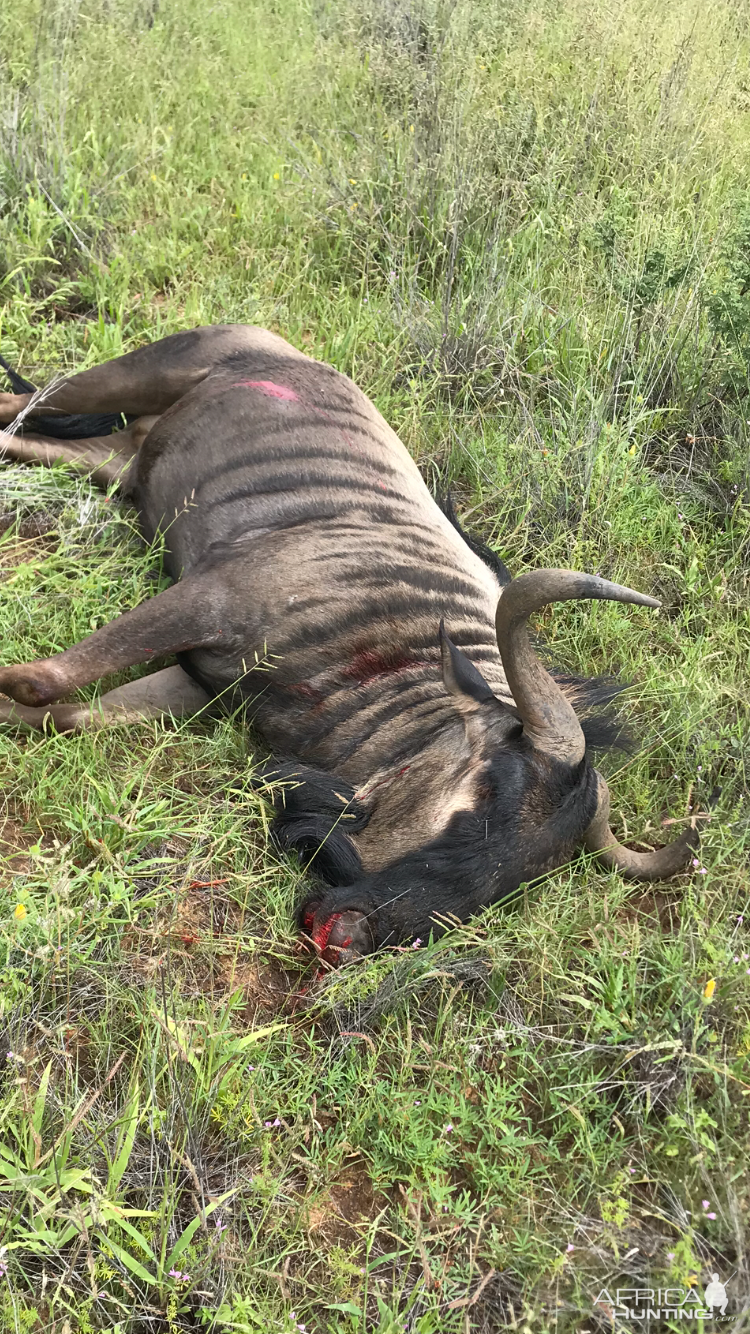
(371, 663)
(307, 691)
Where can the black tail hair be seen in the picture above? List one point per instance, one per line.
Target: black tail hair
(314, 814)
(480, 549)
(67, 426)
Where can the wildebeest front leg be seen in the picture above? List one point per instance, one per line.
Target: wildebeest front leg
(187, 615)
(170, 693)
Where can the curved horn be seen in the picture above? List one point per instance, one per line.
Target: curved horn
(549, 720)
(657, 865)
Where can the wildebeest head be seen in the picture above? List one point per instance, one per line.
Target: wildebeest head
(530, 796)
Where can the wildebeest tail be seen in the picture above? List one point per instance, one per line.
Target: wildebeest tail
(66, 426)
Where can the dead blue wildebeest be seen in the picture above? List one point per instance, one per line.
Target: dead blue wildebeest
(437, 764)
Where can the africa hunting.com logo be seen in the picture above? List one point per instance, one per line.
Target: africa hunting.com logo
(668, 1303)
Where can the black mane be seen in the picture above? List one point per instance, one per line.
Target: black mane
(480, 549)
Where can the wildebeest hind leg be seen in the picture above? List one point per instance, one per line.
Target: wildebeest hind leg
(146, 381)
(169, 693)
(188, 615)
(106, 458)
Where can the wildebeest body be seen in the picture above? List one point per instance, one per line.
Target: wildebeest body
(328, 550)
(314, 571)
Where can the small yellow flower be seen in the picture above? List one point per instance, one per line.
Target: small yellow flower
(411, 129)
(244, 175)
(352, 207)
(19, 912)
(352, 181)
(276, 175)
(153, 178)
(709, 988)
(632, 451)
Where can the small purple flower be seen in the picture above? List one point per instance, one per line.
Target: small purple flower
(219, 1225)
(740, 919)
(416, 944)
(449, 1129)
(710, 1215)
(706, 1204)
(570, 1247)
(744, 956)
(736, 958)
(695, 861)
(631, 1171)
(417, 1102)
(175, 1273)
(670, 1255)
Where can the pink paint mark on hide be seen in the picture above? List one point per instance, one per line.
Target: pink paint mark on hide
(286, 395)
(270, 389)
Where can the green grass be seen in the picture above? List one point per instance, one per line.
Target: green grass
(525, 231)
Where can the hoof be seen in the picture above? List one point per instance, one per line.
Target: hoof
(33, 685)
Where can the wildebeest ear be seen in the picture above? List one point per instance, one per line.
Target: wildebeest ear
(460, 676)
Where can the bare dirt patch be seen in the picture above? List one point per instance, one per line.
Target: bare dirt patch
(265, 985)
(655, 905)
(348, 1205)
(201, 931)
(31, 539)
(15, 842)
